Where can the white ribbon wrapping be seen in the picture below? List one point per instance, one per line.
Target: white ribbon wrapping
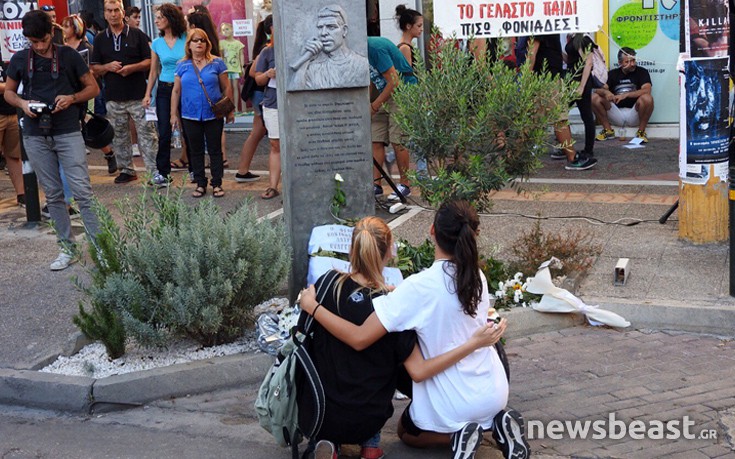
(557, 299)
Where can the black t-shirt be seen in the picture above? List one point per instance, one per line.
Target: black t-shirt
(359, 386)
(549, 51)
(43, 87)
(620, 83)
(131, 47)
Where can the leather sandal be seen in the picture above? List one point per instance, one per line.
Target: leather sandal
(199, 192)
(270, 193)
(179, 164)
(218, 192)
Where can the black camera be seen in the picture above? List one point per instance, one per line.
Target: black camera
(44, 110)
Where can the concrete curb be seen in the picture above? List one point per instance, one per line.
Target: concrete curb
(709, 319)
(85, 395)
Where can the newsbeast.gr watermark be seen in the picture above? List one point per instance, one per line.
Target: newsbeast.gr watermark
(614, 429)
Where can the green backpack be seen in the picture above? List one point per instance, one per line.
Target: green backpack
(277, 402)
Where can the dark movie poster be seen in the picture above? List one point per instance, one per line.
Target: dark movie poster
(707, 113)
(709, 28)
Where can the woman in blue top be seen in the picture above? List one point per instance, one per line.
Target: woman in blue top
(166, 51)
(201, 78)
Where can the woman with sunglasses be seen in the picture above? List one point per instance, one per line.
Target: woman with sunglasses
(200, 81)
(166, 51)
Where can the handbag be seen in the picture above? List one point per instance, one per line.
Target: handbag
(223, 107)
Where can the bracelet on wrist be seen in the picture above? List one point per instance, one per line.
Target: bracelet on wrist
(313, 314)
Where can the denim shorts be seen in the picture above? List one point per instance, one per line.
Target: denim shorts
(257, 102)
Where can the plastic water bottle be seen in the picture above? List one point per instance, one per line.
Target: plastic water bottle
(176, 138)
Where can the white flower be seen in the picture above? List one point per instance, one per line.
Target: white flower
(518, 276)
(338, 177)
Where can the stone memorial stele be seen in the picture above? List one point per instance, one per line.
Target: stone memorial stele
(324, 115)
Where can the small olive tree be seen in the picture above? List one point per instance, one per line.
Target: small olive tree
(477, 122)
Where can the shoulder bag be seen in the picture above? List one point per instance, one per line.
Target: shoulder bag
(223, 107)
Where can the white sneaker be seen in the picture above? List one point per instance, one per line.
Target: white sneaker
(159, 180)
(62, 262)
(136, 150)
(405, 191)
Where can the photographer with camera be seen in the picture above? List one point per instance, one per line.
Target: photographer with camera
(56, 85)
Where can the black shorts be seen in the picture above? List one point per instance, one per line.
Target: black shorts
(408, 424)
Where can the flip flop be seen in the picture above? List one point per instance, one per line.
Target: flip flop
(270, 193)
(199, 192)
(218, 192)
(179, 164)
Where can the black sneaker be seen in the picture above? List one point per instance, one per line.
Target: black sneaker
(509, 432)
(111, 163)
(466, 441)
(558, 154)
(21, 198)
(581, 163)
(124, 177)
(246, 177)
(378, 190)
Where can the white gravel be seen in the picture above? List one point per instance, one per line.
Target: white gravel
(92, 360)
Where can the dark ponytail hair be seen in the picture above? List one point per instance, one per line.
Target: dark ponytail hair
(406, 17)
(455, 230)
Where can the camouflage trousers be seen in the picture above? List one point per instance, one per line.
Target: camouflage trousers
(117, 114)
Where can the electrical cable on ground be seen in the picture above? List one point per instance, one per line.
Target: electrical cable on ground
(590, 220)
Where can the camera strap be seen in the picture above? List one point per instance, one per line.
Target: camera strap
(30, 66)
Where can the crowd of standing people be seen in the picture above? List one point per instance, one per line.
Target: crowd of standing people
(79, 67)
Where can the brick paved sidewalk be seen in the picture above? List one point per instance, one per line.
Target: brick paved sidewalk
(586, 373)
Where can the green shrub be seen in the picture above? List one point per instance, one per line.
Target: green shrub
(477, 123)
(413, 259)
(176, 270)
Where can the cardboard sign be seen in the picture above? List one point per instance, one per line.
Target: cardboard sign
(242, 28)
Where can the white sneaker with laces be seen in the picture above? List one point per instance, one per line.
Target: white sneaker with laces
(405, 191)
(62, 262)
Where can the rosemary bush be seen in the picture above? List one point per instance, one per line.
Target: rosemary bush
(476, 122)
(176, 270)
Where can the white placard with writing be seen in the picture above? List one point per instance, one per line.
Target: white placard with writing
(504, 18)
(333, 238)
(320, 265)
(242, 27)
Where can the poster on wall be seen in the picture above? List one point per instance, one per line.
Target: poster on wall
(704, 131)
(708, 28)
(482, 19)
(651, 27)
(11, 31)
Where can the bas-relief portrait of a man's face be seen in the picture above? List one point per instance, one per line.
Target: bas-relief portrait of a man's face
(331, 33)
